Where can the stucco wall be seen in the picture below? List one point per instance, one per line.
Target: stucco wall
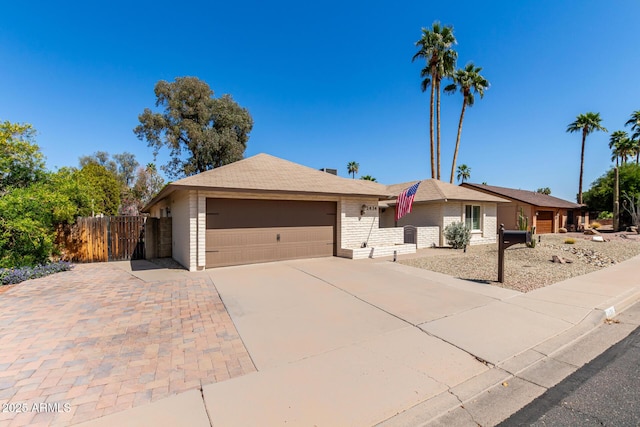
(422, 215)
(182, 236)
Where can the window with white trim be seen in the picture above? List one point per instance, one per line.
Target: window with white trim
(472, 217)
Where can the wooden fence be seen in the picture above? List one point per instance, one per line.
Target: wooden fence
(96, 239)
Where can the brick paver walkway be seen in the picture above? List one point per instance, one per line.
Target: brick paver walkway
(101, 341)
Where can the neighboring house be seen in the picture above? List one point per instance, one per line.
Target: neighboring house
(546, 213)
(439, 204)
(264, 208)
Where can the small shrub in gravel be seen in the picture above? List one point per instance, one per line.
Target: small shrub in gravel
(569, 241)
(12, 276)
(595, 225)
(457, 235)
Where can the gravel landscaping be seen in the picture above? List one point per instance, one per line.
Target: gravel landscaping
(527, 269)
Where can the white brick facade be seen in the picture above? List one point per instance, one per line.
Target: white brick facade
(358, 221)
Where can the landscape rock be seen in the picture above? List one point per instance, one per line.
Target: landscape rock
(562, 230)
(597, 239)
(591, 231)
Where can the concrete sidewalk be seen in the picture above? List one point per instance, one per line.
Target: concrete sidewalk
(341, 342)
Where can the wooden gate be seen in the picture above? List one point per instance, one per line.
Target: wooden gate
(126, 237)
(94, 239)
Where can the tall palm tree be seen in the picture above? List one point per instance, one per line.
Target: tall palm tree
(435, 47)
(352, 168)
(621, 146)
(469, 81)
(634, 122)
(585, 123)
(464, 173)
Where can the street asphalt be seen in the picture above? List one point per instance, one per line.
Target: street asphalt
(604, 392)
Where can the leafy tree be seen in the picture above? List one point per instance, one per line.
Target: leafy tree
(21, 162)
(148, 184)
(127, 165)
(28, 220)
(600, 196)
(585, 123)
(469, 81)
(368, 178)
(101, 158)
(104, 187)
(435, 47)
(544, 190)
(123, 165)
(464, 173)
(213, 131)
(352, 168)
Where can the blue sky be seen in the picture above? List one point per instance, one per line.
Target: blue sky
(331, 82)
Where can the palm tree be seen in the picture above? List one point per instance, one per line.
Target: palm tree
(368, 178)
(585, 123)
(464, 172)
(352, 168)
(435, 46)
(621, 146)
(469, 81)
(634, 122)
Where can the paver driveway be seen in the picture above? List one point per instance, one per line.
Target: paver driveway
(103, 340)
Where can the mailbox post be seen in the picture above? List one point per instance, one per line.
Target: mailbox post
(508, 238)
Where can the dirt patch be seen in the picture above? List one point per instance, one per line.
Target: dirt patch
(526, 268)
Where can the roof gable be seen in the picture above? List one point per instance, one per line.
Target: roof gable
(530, 197)
(431, 190)
(264, 172)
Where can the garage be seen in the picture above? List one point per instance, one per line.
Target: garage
(544, 222)
(245, 231)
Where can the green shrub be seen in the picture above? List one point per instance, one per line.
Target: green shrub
(457, 235)
(605, 215)
(569, 241)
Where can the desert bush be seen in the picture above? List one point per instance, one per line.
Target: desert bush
(569, 241)
(562, 230)
(12, 276)
(595, 225)
(457, 235)
(605, 215)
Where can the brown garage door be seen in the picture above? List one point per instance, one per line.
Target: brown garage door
(544, 222)
(243, 231)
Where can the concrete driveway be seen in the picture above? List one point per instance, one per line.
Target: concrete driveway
(341, 342)
(334, 342)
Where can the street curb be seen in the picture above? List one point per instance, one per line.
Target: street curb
(440, 406)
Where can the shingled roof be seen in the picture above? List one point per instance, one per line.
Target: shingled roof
(530, 197)
(264, 172)
(432, 190)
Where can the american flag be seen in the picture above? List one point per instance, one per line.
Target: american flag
(405, 201)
